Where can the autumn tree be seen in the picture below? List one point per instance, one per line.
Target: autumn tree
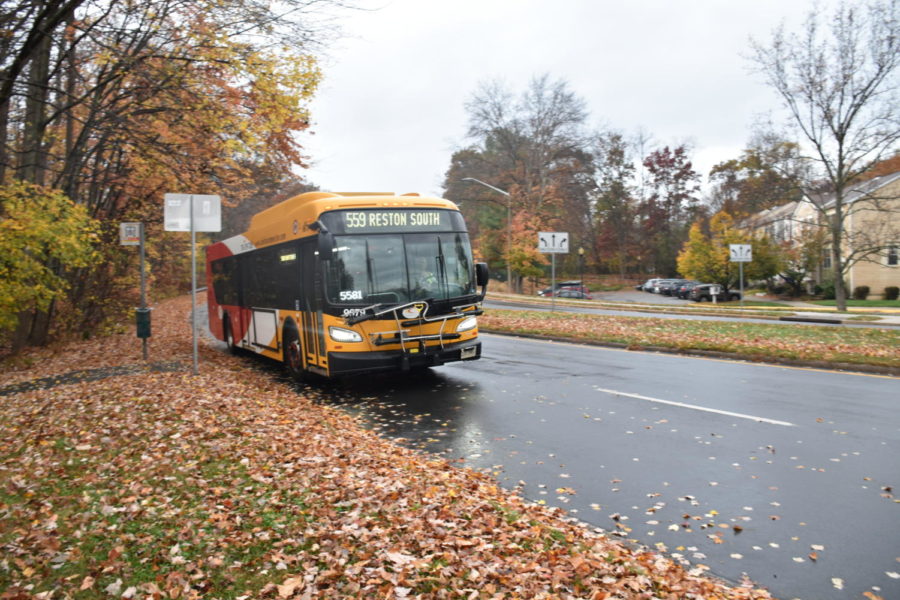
(671, 205)
(531, 146)
(767, 174)
(802, 255)
(43, 234)
(116, 103)
(615, 204)
(708, 257)
(837, 80)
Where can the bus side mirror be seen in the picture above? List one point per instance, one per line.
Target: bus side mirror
(481, 274)
(326, 245)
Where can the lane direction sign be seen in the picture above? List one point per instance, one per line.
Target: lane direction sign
(741, 252)
(553, 242)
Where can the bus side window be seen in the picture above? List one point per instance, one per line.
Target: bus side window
(286, 276)
(225, 281)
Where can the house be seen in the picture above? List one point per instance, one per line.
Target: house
(871, 237)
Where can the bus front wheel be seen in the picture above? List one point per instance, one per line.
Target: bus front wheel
(293, 357)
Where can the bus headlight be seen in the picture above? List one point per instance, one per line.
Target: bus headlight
(467, 324)
(343, 335)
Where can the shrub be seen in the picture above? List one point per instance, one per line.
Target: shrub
(861, 292)
(891, 292)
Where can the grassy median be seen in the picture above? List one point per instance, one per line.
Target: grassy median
(841, 345)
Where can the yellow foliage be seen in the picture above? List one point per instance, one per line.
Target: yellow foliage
(42, 233)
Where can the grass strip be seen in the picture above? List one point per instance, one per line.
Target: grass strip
(864, 346)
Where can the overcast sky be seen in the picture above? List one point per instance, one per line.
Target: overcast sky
(391, 109)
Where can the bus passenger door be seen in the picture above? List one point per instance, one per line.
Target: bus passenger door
(313, 344)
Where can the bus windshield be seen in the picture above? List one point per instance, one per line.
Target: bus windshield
(399, 268)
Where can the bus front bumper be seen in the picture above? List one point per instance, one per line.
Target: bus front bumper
(345, 363)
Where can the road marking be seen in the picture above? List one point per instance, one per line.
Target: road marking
(695, 407)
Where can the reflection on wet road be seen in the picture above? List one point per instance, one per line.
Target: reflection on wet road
(783, 474)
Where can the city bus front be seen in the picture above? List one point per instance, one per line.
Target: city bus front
(400, 289)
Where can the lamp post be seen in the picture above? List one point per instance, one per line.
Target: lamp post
(581, 265)
(508, 225)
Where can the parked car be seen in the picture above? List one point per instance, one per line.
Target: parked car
(573, 293)
(667, 287)
(647, 286)
(704, 293)
(660, 284)
(564, 284)
(683, 291)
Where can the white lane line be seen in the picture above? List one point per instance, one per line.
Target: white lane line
(695, 407)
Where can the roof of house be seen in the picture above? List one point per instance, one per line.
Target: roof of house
(855, 192)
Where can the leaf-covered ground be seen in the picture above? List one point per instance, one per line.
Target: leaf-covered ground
(860, 346)
(139, 484)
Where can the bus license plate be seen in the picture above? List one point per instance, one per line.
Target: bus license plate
(468, 352)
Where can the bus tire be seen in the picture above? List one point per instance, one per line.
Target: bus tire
(293, 354)
(233, 348)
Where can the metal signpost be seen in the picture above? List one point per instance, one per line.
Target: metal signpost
(193, 212)
(132, 234)
(553, 243)
(741, 253)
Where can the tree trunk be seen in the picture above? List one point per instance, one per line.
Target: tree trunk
(23, 329)
(40, 326)
(4, 134)
(837, 261)
(33, 157)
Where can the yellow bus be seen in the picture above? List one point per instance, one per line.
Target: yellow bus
(335, 284)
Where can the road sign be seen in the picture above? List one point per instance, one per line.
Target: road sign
(130, 234)
(194, 213)
(741, 252)
(553, 242)
(207, 212)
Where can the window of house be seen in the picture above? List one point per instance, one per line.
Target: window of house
(826, 258)
(893, 256)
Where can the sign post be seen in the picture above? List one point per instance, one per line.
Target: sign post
(553, 243)
(741, 253)
(193, 212)
(132, 234)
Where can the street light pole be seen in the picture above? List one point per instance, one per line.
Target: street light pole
(508, 225)
(581, 265)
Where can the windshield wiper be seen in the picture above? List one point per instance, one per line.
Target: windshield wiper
(442, 269)
(370, 278)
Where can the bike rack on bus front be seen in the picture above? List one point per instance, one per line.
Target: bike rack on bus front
(401, 335)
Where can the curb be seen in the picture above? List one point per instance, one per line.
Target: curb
(813, 320)
(756, 359)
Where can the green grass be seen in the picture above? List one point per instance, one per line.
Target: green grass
(862, 303)
(870, 346)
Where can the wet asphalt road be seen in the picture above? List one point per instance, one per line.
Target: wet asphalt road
(788, 475)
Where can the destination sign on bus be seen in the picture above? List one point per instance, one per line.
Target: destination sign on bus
(393, 221)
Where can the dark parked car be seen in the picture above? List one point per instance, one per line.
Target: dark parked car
(667, 287)
(705, 291)
(683, 291)
(564, 284)
(660, 284)
(573, 293)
